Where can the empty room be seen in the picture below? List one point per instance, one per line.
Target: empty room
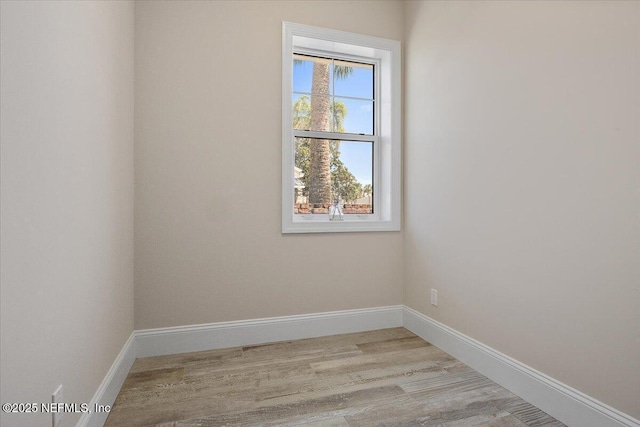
(320, 213)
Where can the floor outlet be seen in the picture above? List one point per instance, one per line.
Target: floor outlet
(56, 397)
(434, 297)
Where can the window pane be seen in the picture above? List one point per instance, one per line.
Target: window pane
(301, 112)
(317, 108)
(329, 169)
(355, 116)
(312, 74)
(353, 79)
(345, 115)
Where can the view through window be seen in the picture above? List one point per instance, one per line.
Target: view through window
(334, 99)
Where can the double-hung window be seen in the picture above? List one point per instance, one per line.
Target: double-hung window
(341, 131)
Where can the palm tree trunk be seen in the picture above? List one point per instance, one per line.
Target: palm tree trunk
(320, 168)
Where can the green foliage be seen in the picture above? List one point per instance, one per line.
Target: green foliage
(343, 183)
(339, 71)
(342, 71)
(367, 190)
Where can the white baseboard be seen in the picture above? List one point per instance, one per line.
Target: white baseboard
(562, 402)
(182, 339)
(110, 386)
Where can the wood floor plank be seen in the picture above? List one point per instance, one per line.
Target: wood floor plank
(403, 411)
(388, 377)
(154, 378)
(335, 422)
(397, 344)
(532, 416)
(288, 408)
(393, 375)
(185, 359)
(378, 360)
(501, 419)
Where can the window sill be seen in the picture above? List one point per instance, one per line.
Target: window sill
(346, 226)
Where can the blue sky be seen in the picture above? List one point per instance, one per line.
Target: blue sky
(357, 156)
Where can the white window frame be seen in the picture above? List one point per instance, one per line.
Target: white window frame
(385, 55)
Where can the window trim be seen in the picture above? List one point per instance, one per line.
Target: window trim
(385, 53)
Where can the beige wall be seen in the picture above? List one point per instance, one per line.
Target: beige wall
(208, 243)
(67, 198)
(522, 176)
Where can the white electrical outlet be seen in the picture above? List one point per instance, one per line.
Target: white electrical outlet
(434, 297)
(56, 397)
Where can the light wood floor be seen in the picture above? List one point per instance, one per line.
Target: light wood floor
(388, 377)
